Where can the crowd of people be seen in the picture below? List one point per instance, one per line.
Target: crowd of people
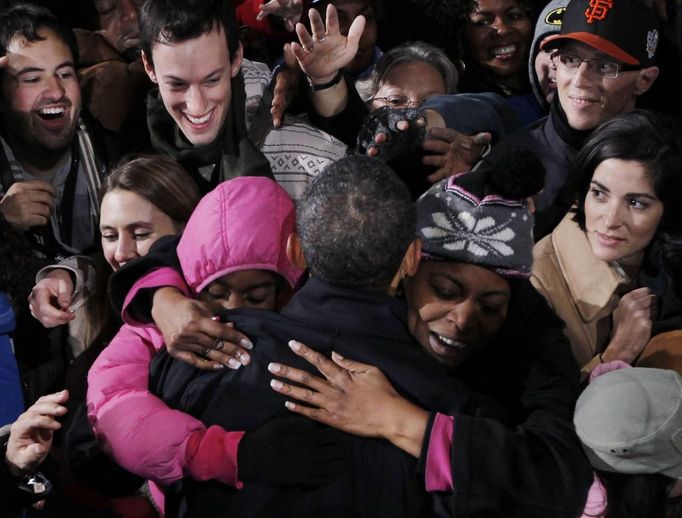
(340, 258)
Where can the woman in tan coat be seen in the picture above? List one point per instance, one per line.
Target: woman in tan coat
(606, 269)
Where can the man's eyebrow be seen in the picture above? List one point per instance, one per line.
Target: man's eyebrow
(32, 69)
(181, 80)
(175, 78)
(29, 70)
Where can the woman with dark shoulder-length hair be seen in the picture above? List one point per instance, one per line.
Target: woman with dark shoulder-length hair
(611, 268)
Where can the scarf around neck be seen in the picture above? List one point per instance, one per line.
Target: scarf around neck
(575, 138)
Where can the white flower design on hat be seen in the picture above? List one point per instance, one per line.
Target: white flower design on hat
(480, 237)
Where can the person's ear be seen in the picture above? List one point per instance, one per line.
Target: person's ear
(295, 252)
(412, 258)
(236, 60)
(645, 79)
(148, 67)
(409, 265)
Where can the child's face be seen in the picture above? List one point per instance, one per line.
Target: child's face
(244, 289)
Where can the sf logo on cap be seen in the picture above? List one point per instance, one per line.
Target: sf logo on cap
(598, 10)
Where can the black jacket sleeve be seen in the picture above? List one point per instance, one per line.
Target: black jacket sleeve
(346, 124)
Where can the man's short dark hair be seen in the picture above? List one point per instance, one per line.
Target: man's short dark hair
(356, 221)
(171, 21)
(25, 20)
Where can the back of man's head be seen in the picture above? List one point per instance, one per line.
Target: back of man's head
(170, 21)
(25, 20)
(356, 221)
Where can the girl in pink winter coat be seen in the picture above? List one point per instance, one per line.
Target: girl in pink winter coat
(232, 254)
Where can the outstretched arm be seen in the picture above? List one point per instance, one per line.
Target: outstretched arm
(323, 54)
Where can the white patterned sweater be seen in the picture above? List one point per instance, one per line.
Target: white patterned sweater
(297, 151)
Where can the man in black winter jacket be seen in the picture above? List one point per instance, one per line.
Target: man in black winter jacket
(356, 224)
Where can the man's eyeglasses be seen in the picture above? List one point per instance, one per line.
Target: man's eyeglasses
(598, 67)
(398, 101)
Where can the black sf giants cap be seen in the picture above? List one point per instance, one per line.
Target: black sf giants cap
(626, 30)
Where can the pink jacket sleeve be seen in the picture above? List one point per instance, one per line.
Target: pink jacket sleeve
(438, 468)
(158, 278)
(139, 431)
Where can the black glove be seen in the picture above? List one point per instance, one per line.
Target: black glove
(292, 451)
(385, 120)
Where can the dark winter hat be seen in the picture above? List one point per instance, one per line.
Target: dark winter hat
(481, 217)
(630, 421)
(549, 22)
(626, 30)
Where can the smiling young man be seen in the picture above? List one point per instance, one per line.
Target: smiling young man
(191, 52)
(207, 93)
(605, 60)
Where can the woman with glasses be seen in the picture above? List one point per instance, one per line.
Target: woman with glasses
(611, 267)
(409, 74)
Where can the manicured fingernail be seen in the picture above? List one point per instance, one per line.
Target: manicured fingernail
(246, 343)
(294, 345)
(276, 384)
(243, 358)
(215, 318)
(233, 364)
(230, 324)
(337, 355)
(290, 405)
(274, 367)
(218, 367)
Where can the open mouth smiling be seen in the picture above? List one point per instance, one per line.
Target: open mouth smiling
(447, 342)
(505, 52)
(51, 113)
(199, 121)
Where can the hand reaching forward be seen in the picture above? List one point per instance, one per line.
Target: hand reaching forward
(288, 10)
(286, 86)
(452, 152)
(31, 434)
(326, 51)
(50, 299)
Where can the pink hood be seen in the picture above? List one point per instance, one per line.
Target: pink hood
(243, 224)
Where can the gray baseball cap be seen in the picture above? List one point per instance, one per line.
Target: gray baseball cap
(630, 421)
